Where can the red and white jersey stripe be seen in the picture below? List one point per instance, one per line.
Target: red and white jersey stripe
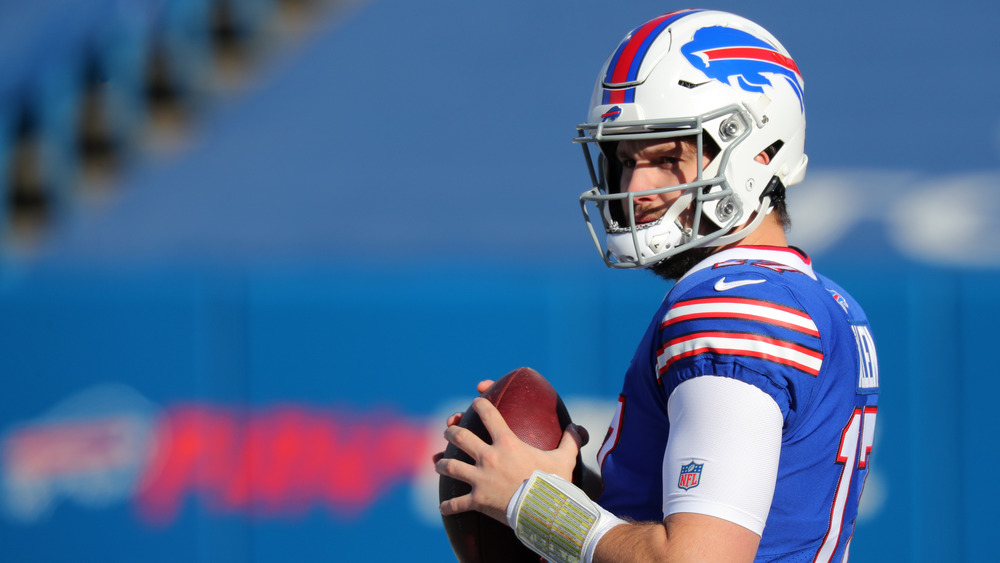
(739, 344)
(753, 328)
(741, 308)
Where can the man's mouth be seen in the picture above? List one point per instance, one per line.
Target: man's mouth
(643, 217)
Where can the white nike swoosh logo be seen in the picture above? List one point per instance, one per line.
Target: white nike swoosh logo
(723, 285)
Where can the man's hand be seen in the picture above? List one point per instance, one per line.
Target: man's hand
(500, 468)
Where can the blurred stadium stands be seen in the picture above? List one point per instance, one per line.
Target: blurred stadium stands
(67, 131)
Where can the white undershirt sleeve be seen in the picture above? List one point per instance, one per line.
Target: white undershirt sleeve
(722, 454)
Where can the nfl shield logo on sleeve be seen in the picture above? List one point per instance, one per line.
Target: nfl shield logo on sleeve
(690, 475)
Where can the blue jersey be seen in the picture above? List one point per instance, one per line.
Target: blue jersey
(762, 316)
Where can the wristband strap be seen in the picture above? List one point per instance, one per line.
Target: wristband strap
(557, 520)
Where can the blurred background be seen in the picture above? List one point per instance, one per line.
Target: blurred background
(255, 251)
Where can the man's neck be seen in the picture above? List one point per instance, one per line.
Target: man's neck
(768, 233)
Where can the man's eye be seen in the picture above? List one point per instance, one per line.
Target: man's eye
(668, 160)
(628, 163)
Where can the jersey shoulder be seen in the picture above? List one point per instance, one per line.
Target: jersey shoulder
(757, 317)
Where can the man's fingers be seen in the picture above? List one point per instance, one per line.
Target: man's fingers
(491, 418)
(484, 385)
(454, 419)
(456, 505)
(574, 438)
(465, 440)
(455, 469)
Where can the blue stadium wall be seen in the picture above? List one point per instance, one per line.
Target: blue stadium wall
(246, 351)
(167, 416)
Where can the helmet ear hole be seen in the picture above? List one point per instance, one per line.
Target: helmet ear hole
(773, 149)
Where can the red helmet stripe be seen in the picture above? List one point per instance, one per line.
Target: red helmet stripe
(624, 65)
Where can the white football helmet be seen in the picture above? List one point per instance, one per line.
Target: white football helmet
(698, 74)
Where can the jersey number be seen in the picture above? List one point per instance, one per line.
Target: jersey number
(855, 449)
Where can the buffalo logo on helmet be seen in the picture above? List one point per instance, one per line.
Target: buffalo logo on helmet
(612, 114)
(725, 54)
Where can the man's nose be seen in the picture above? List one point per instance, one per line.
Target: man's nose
(641, 179)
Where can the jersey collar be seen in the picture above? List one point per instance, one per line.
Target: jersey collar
(785, 255)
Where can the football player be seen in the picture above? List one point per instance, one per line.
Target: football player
(745, 423)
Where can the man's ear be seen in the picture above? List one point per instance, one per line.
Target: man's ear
(763, 158)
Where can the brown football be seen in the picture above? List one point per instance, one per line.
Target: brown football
(535, 413)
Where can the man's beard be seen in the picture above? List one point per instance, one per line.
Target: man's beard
(676, 266)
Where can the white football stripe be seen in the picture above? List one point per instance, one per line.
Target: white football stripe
(739, 309)
(752, 347)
